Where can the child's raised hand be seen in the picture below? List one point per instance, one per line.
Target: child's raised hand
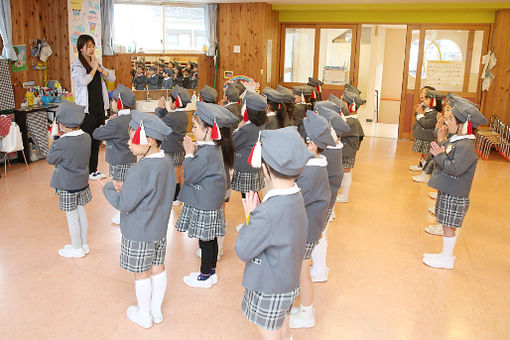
(250, 202)
(117, 185)
(435, 149)
(162, 102)
(189, 146)
(442, 133)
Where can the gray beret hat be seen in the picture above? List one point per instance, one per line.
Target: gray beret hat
(464, 111)
(154, 127)
(208, 94)
(336, 121)
(69, 114)
(284, 150)
(318, 130)
(232, 92)
(126, 96)
(273, 95)
(183, 95)
(288, 95)
(255, 101)
(338, 102)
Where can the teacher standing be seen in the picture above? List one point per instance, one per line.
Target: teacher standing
(90, 91)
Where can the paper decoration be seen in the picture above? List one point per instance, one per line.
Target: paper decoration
(445, 75)
(335, 75)
(489, 61)
(84, 18)
(21, 63)
(247, 81)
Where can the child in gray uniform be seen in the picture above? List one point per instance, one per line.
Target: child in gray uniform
(314, 185)
(327, 109)
(70, 154)
(203, 192)
(275, 111)
(272, 241)
(351, 140)
(231, 100)
(140, 79)
(245, 178)
(153, 80)
(303, 95)
(177, 120)
(288, 100)
(144, 200)
(116, 134)
(456, 159)
(208, 94)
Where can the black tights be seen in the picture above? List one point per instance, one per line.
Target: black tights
(209, 255)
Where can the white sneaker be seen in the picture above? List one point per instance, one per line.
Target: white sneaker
(302, 319)
(220, 254)
(423, 178)
(431, 255)
(192, 281)
(214, 277)
(435, 229)
(140, 320)
(157, 317)
(116, 219)
(295, 310)
(239, 227)
(97, 175)
(432, 211)
(321, 277)
(416, 168)
(342, 199)
(176, 203)
(440, 262)
(71, 252)
(433, 195)
(332, 217)
(85, 247)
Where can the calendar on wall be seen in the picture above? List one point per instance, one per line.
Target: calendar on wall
(335, 75)
(445, 75)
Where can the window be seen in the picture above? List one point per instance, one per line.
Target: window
(299, 54)
(158, 28)
(335, 55)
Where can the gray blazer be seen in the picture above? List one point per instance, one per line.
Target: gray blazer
(273, 244)
(314, 186)
(299, 112)
(152, 82)
(145, 199)
(424, 128)
(335, 172)
(140, 82)
(116, 134)
(456, 168)
(244, 139)
(167, 83)
(204, 179)
(70, 155)
(272, 123)
(352, 139)
(178, 122)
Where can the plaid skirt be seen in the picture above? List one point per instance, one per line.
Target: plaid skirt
(450, 210)
(348, 162)
(118, 172)
(202, 224)
(247, 181)
(69, 201)
(308, 250)
(421, 146)
(267, 310)
(177, 158)
(430, 166)
(140, 256)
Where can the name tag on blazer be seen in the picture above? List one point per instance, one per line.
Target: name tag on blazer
(237, 154)
(256, 261)
(196, 186)
(449, 148)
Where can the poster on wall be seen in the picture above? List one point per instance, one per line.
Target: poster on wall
(335, 75)
(84, 18)
(445, 75)
(21, 63)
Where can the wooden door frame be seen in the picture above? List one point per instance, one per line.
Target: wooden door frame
(471, 28)
(353, 72)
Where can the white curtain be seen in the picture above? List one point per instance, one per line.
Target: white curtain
(6, 30)
(107, 26)
(211, 21)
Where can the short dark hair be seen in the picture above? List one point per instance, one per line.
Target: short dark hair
(428, 88)
(258, 118)
(278, 174)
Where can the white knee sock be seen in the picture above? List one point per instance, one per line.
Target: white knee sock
(84, 224)
(346, 184)
(159, 283)
(73, 223)
(143, 296)
(448, 246)
(319, 254)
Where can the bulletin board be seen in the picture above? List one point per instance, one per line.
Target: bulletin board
(337, 75)
(84, 18)
(445, 75)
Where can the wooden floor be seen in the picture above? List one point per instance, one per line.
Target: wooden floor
(378, 287)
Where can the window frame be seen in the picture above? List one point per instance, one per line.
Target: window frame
(163, 5)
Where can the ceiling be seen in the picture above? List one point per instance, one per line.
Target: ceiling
(301, 2)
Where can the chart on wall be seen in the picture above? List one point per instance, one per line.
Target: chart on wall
(84, 18)
(337, 75)
(445, 75)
